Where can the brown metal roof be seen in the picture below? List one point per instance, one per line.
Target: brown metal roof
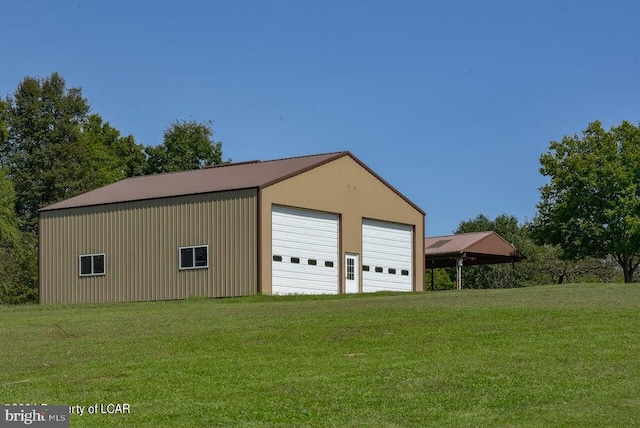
(215, 179)
(474, 248)
(218, 178)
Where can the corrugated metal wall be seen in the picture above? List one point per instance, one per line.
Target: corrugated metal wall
(141, 243)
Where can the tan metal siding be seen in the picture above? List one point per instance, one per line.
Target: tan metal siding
(344, 187)
(141, 240)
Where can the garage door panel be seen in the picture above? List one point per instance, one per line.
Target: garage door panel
(302, 288)
(300, 281)
(374, 282)
(303, 274)
(387, 247)
(383, 260)
(305, 251)
(299, 277)
(384, 225)
(293, 212)
(287, 240)
(382, 235)
(304, 235)
(388, 240)
(317, 245)
(313, 218)
(320, 230)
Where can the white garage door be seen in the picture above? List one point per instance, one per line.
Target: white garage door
(304, 250)
(387, 256)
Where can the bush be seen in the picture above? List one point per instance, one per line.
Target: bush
(443, 279)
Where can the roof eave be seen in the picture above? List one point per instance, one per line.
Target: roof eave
(101, 204)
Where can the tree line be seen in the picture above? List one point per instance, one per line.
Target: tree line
(53, 147)
(587, 227)
(544, 263)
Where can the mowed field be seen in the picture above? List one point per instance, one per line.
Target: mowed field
(561, 356)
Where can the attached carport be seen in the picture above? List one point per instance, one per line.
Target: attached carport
(468, 249)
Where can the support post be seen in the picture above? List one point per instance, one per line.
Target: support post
(459, 273)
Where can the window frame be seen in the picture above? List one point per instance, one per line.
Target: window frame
(351, 269)
(92, 256)
(193, 249)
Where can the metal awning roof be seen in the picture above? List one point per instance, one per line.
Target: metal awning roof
(476, 248)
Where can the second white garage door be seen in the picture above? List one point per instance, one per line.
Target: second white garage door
(304, 251)
(387, 256)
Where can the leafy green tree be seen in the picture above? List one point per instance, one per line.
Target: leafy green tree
(187, 145)
(505, 225)
(112, 156)
(591, 205)
(54, 149)
(43, 152)
(4, 128)
(493, 276)
(18, 265)
(545, 264)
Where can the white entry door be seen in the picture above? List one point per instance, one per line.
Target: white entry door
(351, 270)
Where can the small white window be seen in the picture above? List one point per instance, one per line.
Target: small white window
(351, 269)
(196, 257)
(91, 264)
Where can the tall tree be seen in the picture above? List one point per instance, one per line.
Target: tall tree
(112, 157)
(54, 149)
(18, 265)
(43, 152)
(186, 145)
(4, 127)
(591, 205)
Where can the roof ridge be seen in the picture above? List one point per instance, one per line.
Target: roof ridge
(307, 156)
(227, 164)
(458, 234)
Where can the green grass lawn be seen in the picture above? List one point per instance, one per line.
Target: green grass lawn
(560, 356)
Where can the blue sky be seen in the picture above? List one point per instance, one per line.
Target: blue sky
(452, 102)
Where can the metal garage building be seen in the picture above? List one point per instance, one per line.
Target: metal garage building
(320, 224)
